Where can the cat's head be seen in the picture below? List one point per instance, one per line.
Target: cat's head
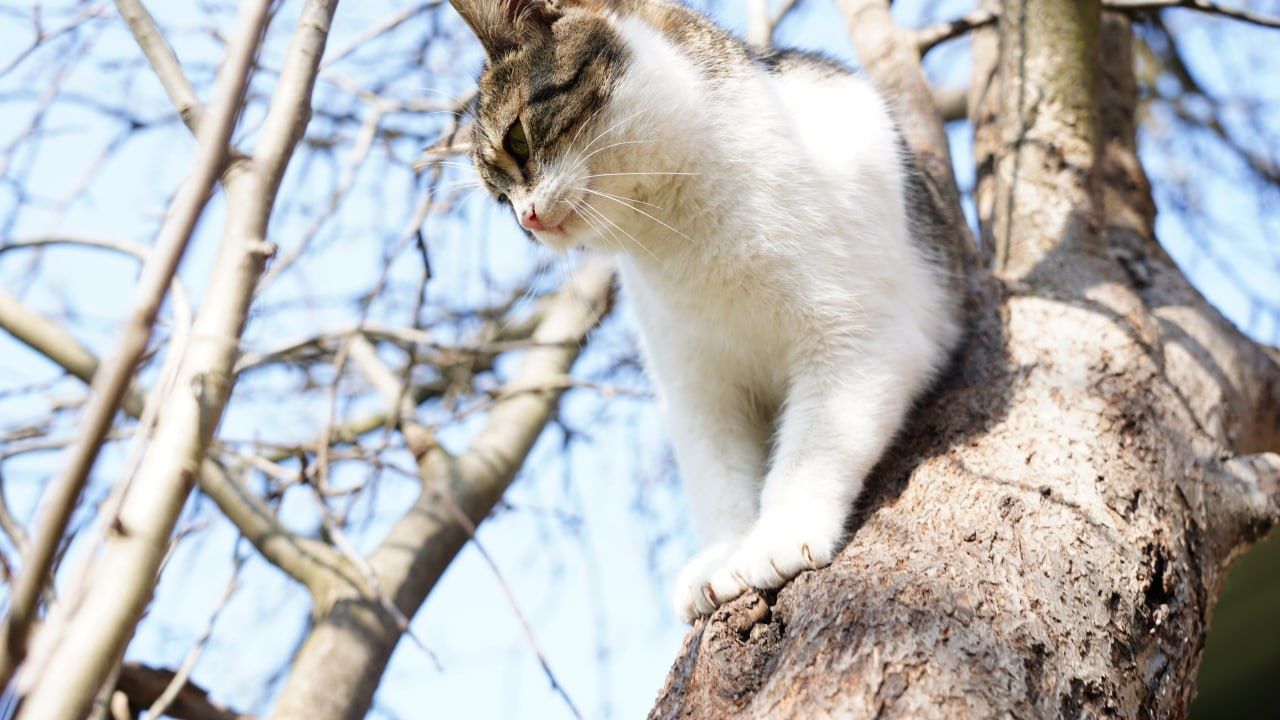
(549, 137)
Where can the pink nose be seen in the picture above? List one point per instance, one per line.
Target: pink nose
(529, 220)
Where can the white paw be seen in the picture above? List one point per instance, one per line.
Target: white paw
(777, 549)
(693, 596)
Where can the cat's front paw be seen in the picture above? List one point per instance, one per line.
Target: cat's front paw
(693, 594)
(778, 548)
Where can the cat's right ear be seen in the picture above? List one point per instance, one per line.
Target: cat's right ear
(500, 24)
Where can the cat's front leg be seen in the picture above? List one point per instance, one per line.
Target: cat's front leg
(720, 446)
(839, 419)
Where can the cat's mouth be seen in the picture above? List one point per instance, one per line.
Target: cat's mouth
(558, 233)
(557, 229)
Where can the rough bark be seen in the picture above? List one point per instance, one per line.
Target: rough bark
(1048, 536)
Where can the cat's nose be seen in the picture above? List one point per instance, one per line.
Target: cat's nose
(529, 220)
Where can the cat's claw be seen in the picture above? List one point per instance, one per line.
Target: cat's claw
(694, 594)
(774, 552)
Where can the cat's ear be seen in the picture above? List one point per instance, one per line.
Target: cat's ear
(502, 24)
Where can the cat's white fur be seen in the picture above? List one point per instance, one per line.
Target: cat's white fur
(779, 278)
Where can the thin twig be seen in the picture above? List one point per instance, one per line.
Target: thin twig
(361, 564)
(43, 37)
(1203, 6)
(181, 299)
(386, 25)
(179, 680)
(934, 35)
(460, 516)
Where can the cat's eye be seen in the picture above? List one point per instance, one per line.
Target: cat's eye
(516, 143)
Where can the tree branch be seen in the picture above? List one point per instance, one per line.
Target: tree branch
(311, 562)
(142, 685)
(953, 103)
(338, 668)
(181, 299)
(99, 621)
(51, 340)
(112, 383)
(761, 25)
(386, 25)
(930, 37)
(1203, 6)
(164, 62)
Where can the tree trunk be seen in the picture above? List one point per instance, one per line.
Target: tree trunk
(1048, 536)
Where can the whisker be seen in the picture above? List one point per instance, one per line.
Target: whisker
(602, 216)
(614, 145)
(611, 129)
(438, 91)
(620, 174)
(585, 124)
(686, 237)
(582, 160)
(579, 208)
(459, 184)
(621, 197)
(526, 296)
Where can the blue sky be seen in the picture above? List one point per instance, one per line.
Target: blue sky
(590, 536)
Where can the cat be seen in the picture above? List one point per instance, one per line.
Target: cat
(771, 233)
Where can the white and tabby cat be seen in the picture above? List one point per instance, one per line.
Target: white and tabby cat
(769, 234)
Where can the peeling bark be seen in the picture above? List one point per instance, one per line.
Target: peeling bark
(1048, 536)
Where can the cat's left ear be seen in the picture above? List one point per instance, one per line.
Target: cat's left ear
(501, 25)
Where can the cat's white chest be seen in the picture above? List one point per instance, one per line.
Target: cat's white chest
(738, 329)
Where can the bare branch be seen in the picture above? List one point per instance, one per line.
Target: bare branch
(113, 382)
(100, 620)
(336, 671)
(8, 524)
(359, 153)
(163, 61)
(386, 25)
(53, 341)
(1203, 6)
(140, 686)
(934, 35)
(178, 683)
(952, 103)
(761, 25)
(181, 299)
(309, 561)
(465, 522)
(43, 37)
